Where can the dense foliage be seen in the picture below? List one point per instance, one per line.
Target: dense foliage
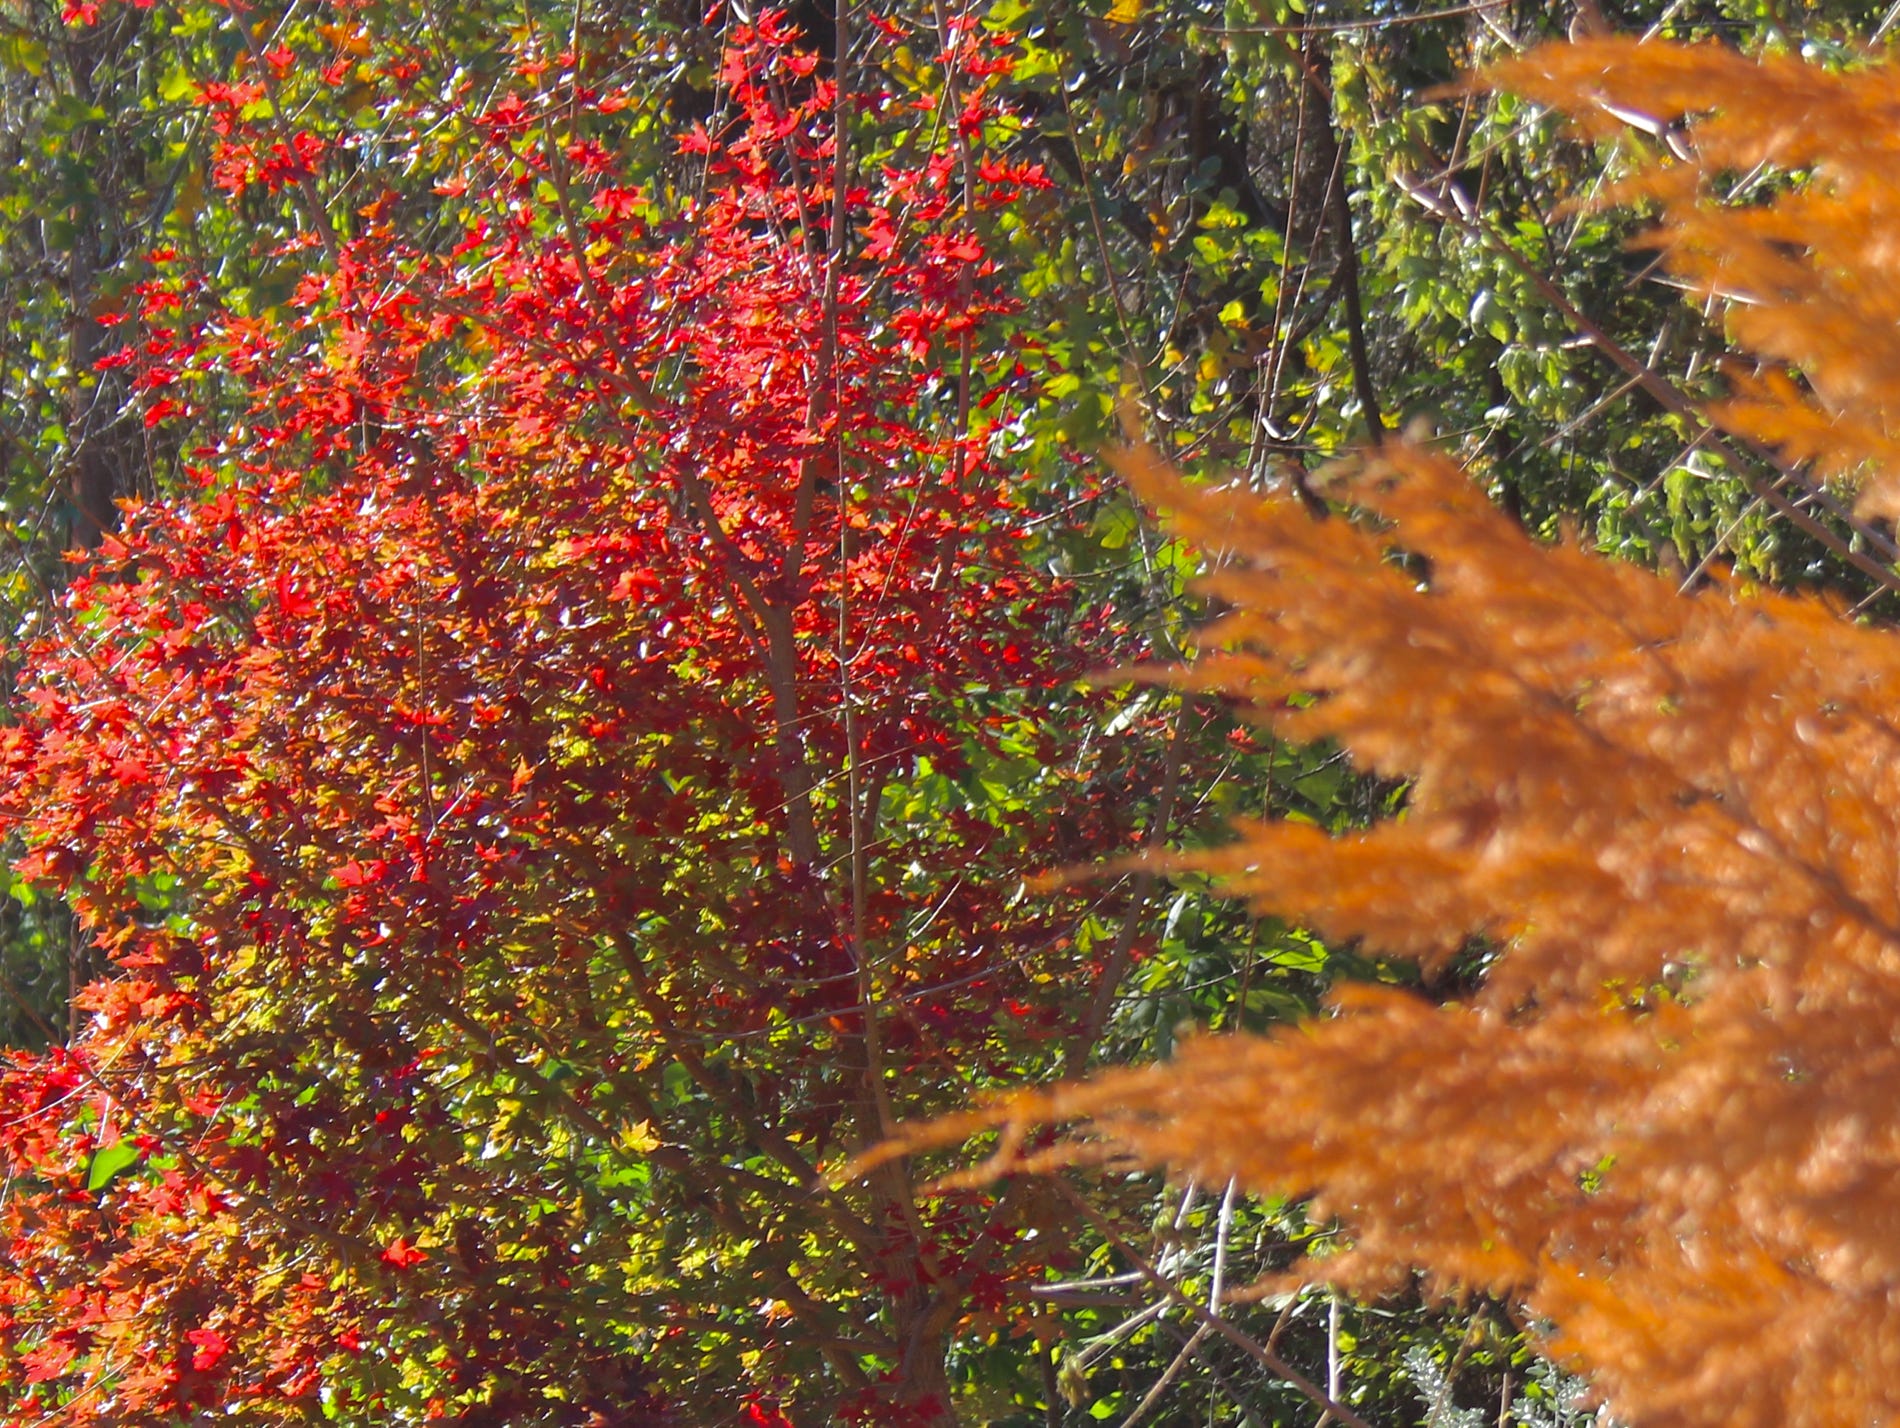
(1656, 1112)
(540, 769)
(583, 543)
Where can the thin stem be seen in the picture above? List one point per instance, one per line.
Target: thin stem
(1260, 1353)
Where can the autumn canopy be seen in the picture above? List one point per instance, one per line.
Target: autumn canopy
(564, 573)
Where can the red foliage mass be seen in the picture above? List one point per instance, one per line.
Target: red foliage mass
(482, 726)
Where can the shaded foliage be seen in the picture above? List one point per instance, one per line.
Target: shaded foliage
(1655, 1125)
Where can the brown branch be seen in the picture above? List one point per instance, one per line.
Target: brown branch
(773, 1142)
(1121, 954)
(1339, 212)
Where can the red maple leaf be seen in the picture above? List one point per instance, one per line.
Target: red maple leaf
(209, 1346)
(402, 1255)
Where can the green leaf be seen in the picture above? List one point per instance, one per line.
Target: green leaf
(1488, 315)
(22, 52)
(109, 1161)
(1116, 526)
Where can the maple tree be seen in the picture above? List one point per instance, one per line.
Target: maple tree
(1645, 857)
(505, 793)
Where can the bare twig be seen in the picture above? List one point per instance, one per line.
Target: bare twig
(1260, 1353)
(1168, 1376)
